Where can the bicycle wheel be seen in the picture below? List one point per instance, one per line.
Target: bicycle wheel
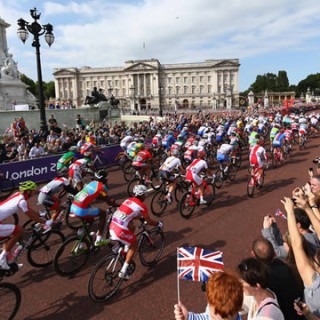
(250, 186)
(43, 248)
(187, 205)
(159, 203)
(72, 222)
(151, 247)
(71, 256)
(218, 180)
(128, 172)
(155, 180)
(209, 193)
(261, 180)
(180, 190)
(131, 185)
(10, 300)
(232, 173)
(6, 188)
(104, 281)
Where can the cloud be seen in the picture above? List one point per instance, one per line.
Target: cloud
(102, 33)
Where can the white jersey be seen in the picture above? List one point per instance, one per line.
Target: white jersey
(170, 164)
(54, 186)
(125, 141)
(79, 165)
(13, 204)
(225, 149)
(197, 166)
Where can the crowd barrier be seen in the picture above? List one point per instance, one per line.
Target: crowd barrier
(44, 168)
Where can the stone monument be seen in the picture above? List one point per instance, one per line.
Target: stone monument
(12, 89)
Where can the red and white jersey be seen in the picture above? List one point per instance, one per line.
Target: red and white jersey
(197, 166)
(54, 186)
(141, 157)
(12, 205)
(130, 209)
(79, 165)
(258, 155)
(170, 164)
(288, 134)
(191, 152)
(88, 146)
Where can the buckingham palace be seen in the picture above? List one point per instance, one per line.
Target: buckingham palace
(148, 85)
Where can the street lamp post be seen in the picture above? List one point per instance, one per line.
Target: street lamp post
(160, 104)
(37, 30)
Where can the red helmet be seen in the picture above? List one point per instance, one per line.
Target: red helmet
(201, 153)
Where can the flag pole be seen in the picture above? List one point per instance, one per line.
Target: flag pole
(178, 284)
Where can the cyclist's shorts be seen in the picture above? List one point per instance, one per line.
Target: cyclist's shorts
(276, 143)
(222, 157)
(139, 165)
(193, 178)
(126, 236)
(167, 176)
(75, 175)
(48, 201)
(6, 230)
(84, 213)
(219, 138)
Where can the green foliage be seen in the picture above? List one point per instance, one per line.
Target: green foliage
(312, 82)
(271, 82)
(48, 87)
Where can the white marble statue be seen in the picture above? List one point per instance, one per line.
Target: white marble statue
(9, 68)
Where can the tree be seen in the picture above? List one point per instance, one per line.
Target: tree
(49, 90)
(312, 81)
(282, 82)
(30, 84)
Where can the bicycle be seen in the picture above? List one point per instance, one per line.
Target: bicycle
(159, 201)
(74, 253)
(10, 299)
(302, 142)
(6, 187)
(191, 198)
(104, 282)
(255, 180)
(224, 173)
(277, 156)
(40, 246)
(141, 179)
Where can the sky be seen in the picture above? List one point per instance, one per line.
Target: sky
(265, 35)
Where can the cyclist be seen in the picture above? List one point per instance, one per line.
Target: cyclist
(79, 168)
(279, 141)
(167, 169)
(81, 205)
(142, 161)
(16, 203)
(193, 173)
(122, 227)
(156, 140)
(87, 147)
(135, 146)
(67, 158)
(274, 131)
(191, 153)
(47, 193)
(224, 151)
(125, 142)
(258, 156)
(168, 140)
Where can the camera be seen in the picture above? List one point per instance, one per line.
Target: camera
(299, 302)
(316, 160)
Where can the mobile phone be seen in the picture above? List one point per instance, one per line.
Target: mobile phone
(299, 302)
(311, 169)
(294, 201)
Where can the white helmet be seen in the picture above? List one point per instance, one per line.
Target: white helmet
(140, 190)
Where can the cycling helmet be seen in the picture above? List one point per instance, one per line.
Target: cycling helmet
(74, 149)
(141, 139)
(195, 142)
(205, 136)
(201, 153)
(171, 132)
(101, 175)
(62, 172)
(174, 152)
(140, 190)
(88, 154)
(27, 185)
(140, 146)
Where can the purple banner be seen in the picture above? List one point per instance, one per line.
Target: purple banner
(44, 169)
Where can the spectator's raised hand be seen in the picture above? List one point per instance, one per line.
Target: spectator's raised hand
(288, 204)
(268, 221)
(180, 312)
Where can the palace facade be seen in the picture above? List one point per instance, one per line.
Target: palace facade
(148, 85)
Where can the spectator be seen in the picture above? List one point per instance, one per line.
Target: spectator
(57, 130)
(259, 302)
(11, 153)
(280, 278)
(36, 151)
(52, 121)
(224, 295)
(67, 144)
(23, 149)
(310, 273)
(51, 136)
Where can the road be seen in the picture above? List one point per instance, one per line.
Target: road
(229, 225)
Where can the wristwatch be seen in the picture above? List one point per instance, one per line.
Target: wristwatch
(314, 206)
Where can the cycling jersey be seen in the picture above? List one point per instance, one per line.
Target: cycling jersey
(83, 199)
(191, 153)
(258, 156)
(156, 140)
(278, 140)
(189, 142)
(273, 132)
(125, 142)
(88, 146)
(170, 164)
(141, 159)
(194, 169)
(66, 160)
(12, 204)
(253, 138)
(168, 141)
(177, 145)
(224, 151)
(77, 168)
(119, 227)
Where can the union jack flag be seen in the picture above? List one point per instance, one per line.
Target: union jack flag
(279, 213)
(198, 264)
